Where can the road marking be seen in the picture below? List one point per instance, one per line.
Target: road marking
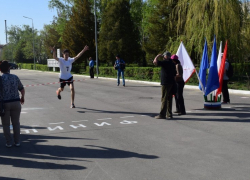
(244, 97)
(80, 121)
(227, 107)
(57, 123)
(102, 124)
(57, 127)
(32, 108)
(23, 112)
(127, 116)
(103, 119)
(128, 122)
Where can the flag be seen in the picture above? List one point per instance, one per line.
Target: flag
(218, 64)
(186, 62)
(221, 70)
(203, 69)
(219, 57)
(213, 77)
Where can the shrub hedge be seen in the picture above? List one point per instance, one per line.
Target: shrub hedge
(241, 73)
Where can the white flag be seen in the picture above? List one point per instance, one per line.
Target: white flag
(218, 64)
(186, 62)
(219, 57)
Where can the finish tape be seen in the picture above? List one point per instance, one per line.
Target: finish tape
(52, 83)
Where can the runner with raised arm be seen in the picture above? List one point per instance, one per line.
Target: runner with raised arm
(65, 64)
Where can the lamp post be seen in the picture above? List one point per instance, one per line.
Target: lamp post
(33, 41)
(96, 41)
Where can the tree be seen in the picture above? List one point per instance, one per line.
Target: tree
(157, 26)
(79, 30)
(206, 18)
(118, 34)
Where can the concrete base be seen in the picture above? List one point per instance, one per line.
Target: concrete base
(212, 105)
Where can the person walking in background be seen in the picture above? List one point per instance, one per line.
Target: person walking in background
(168, 72)
(65, 65)
(179, 100)
(10, 86)
(119, 66)
(225, 92)
(91, 67)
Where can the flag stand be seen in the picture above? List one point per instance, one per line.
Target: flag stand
(211, 103)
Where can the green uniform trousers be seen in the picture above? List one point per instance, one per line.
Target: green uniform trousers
(166, 100)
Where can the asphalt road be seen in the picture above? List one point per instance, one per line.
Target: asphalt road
(112, 134)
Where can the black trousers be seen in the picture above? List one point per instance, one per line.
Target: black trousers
(179, 100)
(225, 92)
(91, 72)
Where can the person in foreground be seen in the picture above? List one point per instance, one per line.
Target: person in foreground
(168, 72)
(11, 84)
(65, 65)
(179, 100)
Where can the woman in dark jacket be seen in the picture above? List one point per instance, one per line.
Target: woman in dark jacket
(11, 84)
(179, 100)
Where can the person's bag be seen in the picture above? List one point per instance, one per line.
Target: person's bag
(230, 70)
(122, 66)
(2, 111)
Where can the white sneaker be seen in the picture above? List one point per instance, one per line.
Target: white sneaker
(17, 144)
(72, 106)
(8, 145)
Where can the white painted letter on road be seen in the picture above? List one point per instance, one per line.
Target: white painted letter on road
(128, 122)
(57, 127)
(75, 127)
(102, 124)
(28, 130)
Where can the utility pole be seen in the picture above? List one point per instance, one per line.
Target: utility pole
(33, 42)
(6, 31)
(96, 46)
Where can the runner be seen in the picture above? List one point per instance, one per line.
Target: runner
(65, 65)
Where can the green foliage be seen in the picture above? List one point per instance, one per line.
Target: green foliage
(118, 34)
(20, 46)
(157, 27)
(199, 19)
(79, 31)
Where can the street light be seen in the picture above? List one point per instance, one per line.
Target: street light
(33, 41)
(96, 41)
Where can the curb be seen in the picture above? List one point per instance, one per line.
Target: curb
(231, 91)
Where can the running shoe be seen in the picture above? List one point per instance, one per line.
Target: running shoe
(58, 95)
(72, 106)
(8, 145)
(17, 144)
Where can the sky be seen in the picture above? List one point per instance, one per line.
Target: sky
(13, 11)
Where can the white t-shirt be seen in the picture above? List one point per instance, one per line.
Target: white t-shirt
(65, 67)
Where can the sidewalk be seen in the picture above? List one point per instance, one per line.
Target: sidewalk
(231, 91)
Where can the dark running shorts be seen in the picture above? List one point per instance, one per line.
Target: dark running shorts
(64, 83)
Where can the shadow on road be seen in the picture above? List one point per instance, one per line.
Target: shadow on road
(236, 113)
(36, 152)
(114, 112)
(6, 178)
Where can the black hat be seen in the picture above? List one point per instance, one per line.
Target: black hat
(118, 55)
(167, 54)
